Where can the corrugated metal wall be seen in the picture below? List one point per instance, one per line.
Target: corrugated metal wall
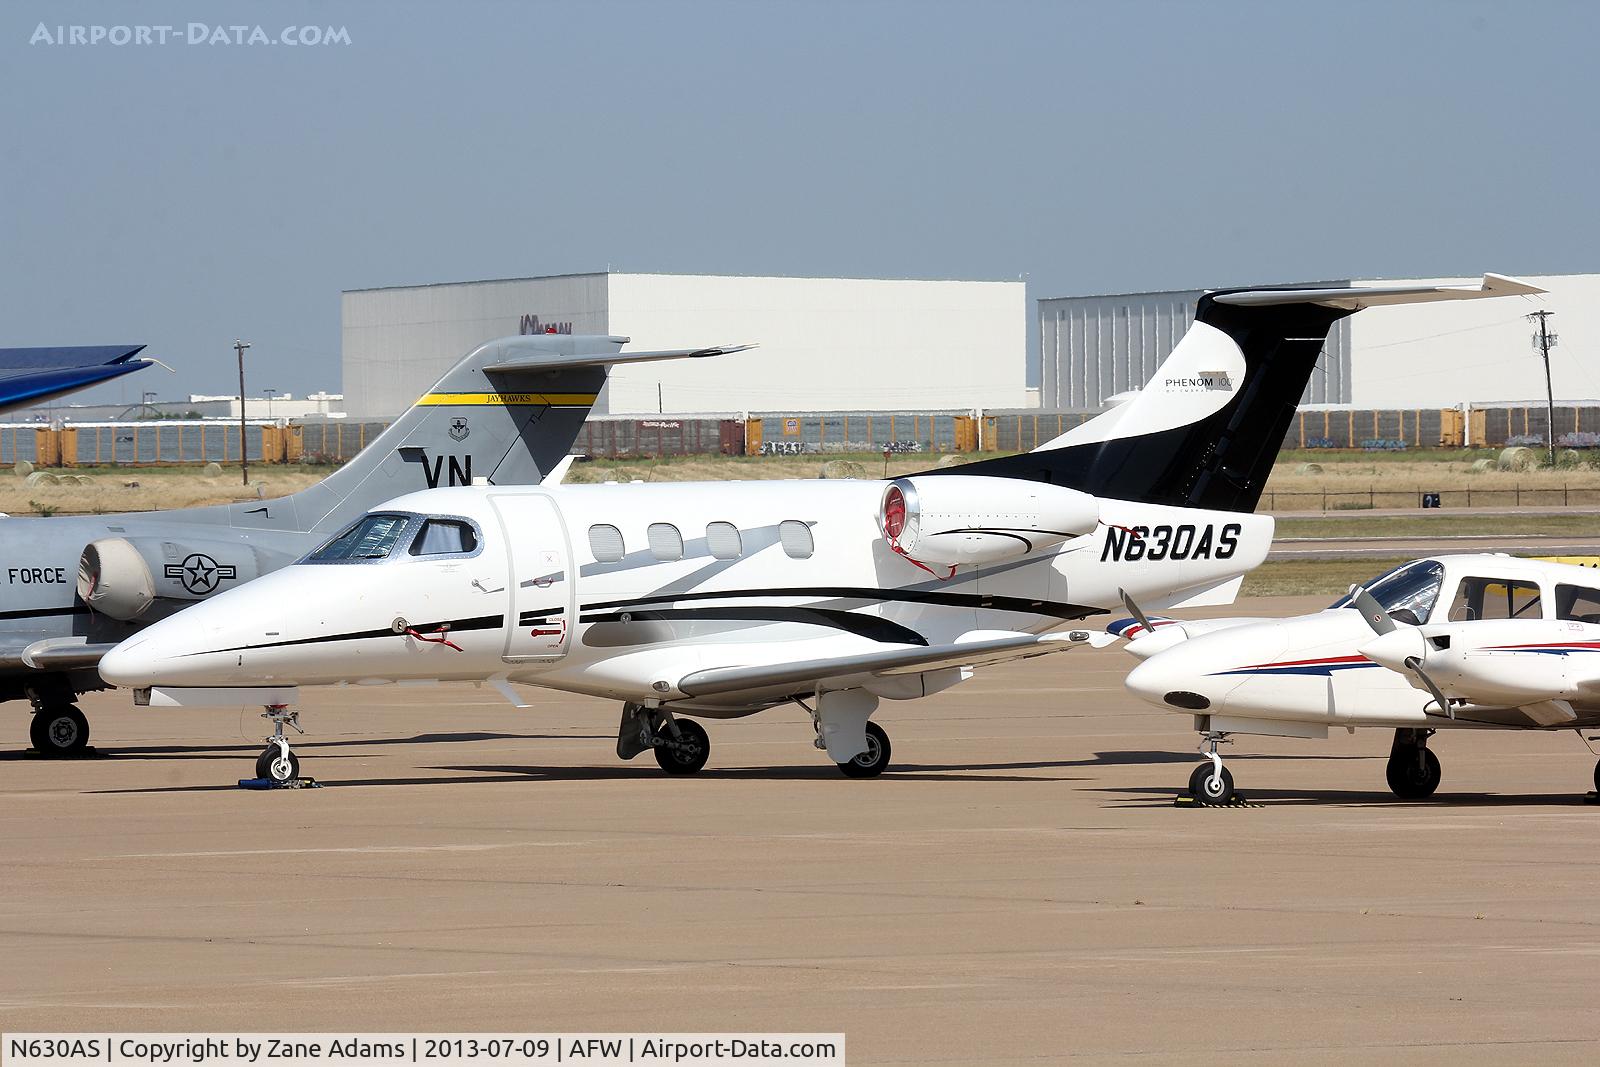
(1094, 347)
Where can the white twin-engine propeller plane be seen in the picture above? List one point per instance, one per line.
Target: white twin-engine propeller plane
(720, 600)
(1454, 642)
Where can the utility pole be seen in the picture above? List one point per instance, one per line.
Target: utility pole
(244, 456)
(270, 393)
(1544, 341)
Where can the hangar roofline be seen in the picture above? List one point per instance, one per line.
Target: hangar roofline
(677, 274)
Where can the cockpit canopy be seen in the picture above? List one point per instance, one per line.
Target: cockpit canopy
(1472, 588)
(1412, 588)
(388, 535)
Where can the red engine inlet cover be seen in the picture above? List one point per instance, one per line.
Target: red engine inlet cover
(894, 513)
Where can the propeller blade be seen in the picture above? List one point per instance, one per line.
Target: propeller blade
(1133, 609)
(1415, 666)
(1371, 610)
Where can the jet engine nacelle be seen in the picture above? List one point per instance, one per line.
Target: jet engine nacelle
(122, 577)
(956, 519)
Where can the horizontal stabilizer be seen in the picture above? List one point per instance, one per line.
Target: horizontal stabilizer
(1354, 298)
(914, 660)
(513, 361)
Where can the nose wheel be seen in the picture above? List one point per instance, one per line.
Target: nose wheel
(277, 762)
(1211, 784)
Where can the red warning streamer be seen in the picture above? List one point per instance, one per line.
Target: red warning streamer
(442, 637)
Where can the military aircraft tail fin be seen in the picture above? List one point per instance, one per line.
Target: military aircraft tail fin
(507, 413)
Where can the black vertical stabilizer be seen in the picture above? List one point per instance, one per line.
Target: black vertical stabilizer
(1219, 462)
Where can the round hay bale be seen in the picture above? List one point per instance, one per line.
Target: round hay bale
(952, 460)
(211, 470)
(83, 479)
(1481, 466)
(1309, 468)
(1518, 458)
(38, 478)
(22, 468)
(836, 469)
(1569, 457)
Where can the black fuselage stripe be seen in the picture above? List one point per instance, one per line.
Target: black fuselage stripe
(44, 613)
(868, 626)
(482, 622)
(992, 602)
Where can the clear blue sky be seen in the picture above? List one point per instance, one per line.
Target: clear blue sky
(182, 195)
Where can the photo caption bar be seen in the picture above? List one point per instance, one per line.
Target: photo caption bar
(432, 1050)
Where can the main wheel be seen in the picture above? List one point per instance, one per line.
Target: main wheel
(1597, 777)
(1209, 788)
(59, 731)
(277, 766)
(1410, 781)
(874, 761)
(688, 753)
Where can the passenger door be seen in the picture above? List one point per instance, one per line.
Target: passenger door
(541, 613)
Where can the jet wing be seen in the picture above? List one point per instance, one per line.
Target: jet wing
(31, 375)
(981, 652)
(539, 360)
(53, 653)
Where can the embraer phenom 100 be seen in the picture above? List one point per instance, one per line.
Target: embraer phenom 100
(73, 587)
(1456, 642)
(720, 600)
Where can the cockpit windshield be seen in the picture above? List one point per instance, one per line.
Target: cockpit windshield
(1411, 587)
(374, 537)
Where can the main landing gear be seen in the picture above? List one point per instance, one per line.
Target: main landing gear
(1413, 770)
(874, 760)
(1211, 784)
(59, 729)
(276, 762)
(681, 746)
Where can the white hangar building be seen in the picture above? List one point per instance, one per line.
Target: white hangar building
(826, 344)
(1414, 356)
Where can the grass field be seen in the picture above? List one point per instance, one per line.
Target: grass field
(1313, 577)
(1399, 475)
(1439, 524)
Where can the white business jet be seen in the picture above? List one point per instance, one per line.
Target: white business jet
(1454, 642)
(718, 600)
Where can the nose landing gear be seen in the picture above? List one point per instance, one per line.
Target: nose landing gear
(277, 763)
(1211, 784)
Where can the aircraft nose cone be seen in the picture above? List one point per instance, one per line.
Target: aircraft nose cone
(1166, 682)
(1395, 647)
(128, 665)
(152, 657)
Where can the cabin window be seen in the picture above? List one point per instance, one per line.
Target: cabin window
(666, 543)
(796, 538)
(444, 537)
(1495, 598)
(1576, 603)
(722, 538)
(374, 537)
(606, 543)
